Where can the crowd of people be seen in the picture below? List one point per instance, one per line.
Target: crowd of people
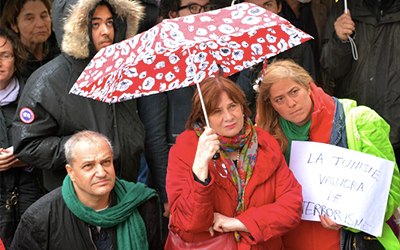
(69, 165)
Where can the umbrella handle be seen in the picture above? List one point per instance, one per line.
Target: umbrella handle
(198, 89)
(202, 103)
(352, 43)
(216, 156)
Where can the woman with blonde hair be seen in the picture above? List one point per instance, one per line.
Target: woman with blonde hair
(291, 107)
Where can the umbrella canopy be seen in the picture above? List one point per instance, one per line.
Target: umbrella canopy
(180, 52)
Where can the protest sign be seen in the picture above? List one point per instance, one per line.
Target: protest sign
(350, 187)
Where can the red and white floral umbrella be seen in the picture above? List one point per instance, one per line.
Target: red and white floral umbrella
(171, 54)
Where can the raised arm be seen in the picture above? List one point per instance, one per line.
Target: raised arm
(191, 202)
(336, 56)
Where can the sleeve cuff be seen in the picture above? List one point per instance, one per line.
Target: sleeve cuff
(205, 182)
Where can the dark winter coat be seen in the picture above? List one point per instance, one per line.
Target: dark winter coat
(49, 224)
(19, 188)
(374, 79)
(149, 109)
(57, 115)
(52, 50)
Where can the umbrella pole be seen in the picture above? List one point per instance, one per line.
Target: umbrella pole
(198, 89)
(352, 43)
(202, 103)
(203, 107)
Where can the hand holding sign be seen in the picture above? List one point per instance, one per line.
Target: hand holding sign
(328, 223)
(350, 187)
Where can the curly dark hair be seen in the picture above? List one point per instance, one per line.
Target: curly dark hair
(19, 50)
(168, 5)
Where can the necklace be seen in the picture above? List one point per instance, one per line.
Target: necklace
(237, 158)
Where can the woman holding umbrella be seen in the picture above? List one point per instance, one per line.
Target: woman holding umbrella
(245, 199)
(291, 107)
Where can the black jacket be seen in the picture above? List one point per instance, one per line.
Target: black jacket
(52, 50)
(58, 115)
(164, 116)
(148, 108)
(374, 79)
(18, 188)
(49, 224)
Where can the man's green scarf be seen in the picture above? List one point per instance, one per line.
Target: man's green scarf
(294, 133)
(131, 230)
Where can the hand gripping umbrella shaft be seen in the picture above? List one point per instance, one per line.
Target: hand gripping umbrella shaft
(352, 43)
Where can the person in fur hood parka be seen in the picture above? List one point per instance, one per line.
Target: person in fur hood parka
(47, 116)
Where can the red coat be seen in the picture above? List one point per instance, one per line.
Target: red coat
(273, 199)
(311, 235)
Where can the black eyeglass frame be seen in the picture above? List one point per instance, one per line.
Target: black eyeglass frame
(202, 7)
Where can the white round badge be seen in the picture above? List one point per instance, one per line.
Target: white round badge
(26, 115)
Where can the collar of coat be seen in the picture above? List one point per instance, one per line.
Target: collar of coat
(367, 11)
(322, 116)
(76, 39)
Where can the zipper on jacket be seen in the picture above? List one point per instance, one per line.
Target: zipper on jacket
(369, 238)
(91, 238)
(354, 243)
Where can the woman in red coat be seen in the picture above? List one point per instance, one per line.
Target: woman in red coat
(248, 196)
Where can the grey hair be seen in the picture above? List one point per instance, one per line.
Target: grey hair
(79, 136)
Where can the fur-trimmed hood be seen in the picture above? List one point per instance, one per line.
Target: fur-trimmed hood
(76, 40)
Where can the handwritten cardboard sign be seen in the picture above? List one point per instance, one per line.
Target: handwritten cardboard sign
(350, 187)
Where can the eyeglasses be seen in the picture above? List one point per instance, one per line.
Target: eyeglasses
(6, 56)
(195, 8)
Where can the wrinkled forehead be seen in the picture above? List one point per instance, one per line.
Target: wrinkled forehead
(35, 6)
(221, 98)
(85, 145)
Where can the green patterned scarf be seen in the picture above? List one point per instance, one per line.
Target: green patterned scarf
(131, 230)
